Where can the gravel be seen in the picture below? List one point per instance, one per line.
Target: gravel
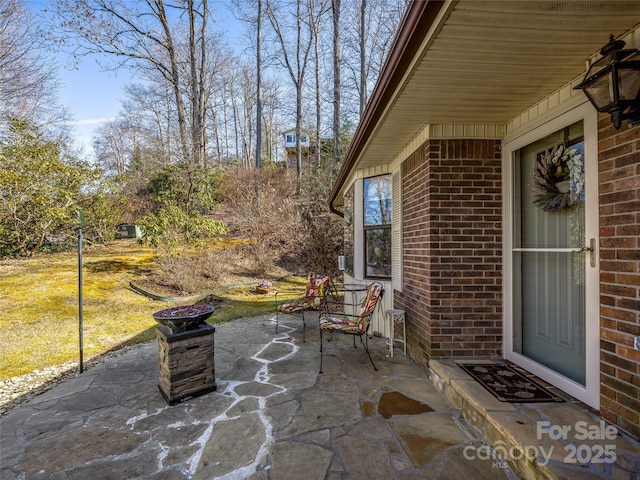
(16, 391)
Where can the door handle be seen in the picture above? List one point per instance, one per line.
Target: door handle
(592, 251)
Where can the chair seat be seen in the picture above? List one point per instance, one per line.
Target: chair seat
(333, 324)
(299, 306)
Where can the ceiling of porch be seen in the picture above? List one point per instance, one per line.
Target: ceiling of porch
(491, 60)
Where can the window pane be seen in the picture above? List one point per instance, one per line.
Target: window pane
(378, 252)
(377, 200)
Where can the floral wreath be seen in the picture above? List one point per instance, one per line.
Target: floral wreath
(558, 179)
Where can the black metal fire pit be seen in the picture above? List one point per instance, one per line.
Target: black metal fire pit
(181, 319)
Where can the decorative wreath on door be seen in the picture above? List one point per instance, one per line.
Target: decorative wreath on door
(558, 179)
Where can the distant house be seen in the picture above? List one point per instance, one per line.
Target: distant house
(308, 148)
(444, 201)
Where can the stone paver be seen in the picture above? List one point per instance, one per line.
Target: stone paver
(273, 416)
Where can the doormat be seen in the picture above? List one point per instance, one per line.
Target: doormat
(507, 384)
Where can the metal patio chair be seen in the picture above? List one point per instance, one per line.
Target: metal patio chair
(356, 325)
(312, 300)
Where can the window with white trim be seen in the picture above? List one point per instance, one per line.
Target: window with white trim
(377, 226)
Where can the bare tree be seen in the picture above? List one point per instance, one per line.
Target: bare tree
(140, 35)
(139, 137)
(316, 18)
(363, 56)
(271, 117)
(295, 51)
(263, 42)
(28, 80)
(368, 32)
(248, 98)
(112, 147)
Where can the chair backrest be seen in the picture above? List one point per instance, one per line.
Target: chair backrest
(374, 293)
(315, 290)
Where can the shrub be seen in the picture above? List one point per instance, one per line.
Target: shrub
(262, 208)
(195, 270)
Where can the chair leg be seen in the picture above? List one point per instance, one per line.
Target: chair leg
(320, 350)
(366, 347)
(304, 328)
(275, 301)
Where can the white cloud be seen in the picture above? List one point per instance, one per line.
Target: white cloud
(91, 121)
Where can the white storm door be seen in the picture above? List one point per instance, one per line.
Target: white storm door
(553, 257)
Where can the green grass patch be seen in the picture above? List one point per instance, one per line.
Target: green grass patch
(39, 298)
(243, 301)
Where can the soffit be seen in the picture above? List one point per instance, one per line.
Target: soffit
(491, 60)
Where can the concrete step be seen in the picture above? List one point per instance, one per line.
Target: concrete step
(539, 440)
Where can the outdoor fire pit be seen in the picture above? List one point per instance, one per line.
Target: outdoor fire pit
(180, 319)
(186, 366)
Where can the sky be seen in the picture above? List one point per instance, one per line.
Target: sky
(93, 97)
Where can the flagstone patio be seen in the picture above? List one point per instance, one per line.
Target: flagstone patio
(273, 416)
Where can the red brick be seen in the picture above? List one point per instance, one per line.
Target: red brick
(619, 186)
(457, 185)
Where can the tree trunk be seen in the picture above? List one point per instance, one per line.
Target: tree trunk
(298, 100)
(175, 80)
(336, 81)
(235, 122)
(259, 86)
(197, 82)
(317, 72)
(363, 49)
(225, 117)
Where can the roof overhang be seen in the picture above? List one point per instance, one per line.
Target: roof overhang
(476, 62)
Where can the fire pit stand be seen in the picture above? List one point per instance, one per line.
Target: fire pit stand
(186, 366)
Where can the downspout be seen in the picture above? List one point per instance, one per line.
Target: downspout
(334, 209)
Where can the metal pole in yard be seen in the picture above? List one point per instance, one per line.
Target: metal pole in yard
(80, 294)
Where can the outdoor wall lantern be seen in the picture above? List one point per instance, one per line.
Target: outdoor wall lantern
(612, 83)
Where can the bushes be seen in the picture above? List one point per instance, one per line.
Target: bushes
(298, 233)
(43, 186)
(181, 227)
(321, 239)
(194, 270)
(262, 209)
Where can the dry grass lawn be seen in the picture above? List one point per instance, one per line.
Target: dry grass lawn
(39, 299)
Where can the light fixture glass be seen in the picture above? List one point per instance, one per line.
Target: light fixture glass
(612, 83)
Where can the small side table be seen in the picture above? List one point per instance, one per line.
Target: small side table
(393, 317)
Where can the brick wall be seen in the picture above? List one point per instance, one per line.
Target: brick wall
(619, 190)
(452, 249)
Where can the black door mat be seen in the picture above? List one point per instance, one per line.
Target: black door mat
(507, 384)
